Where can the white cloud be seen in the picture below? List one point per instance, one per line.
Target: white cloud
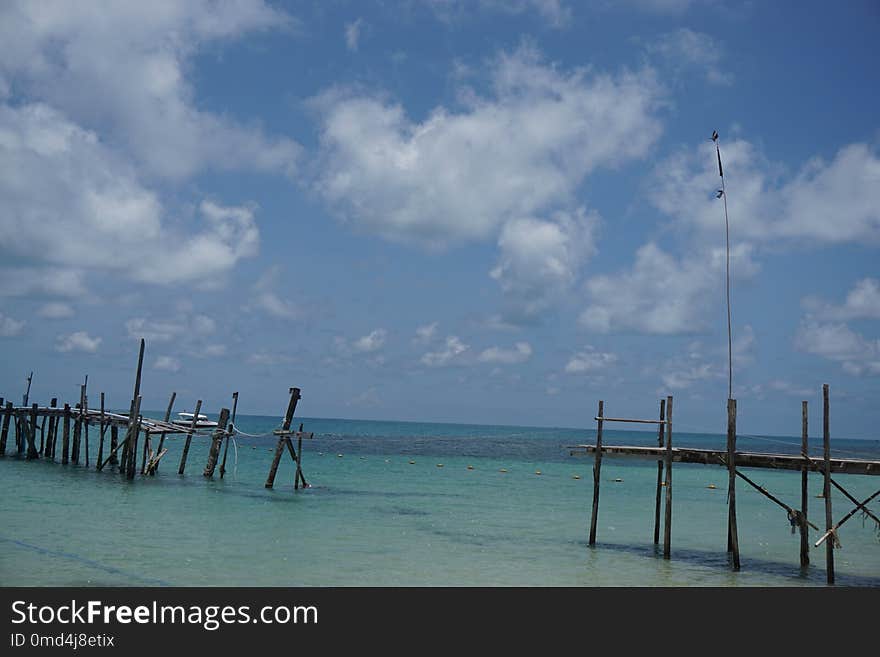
(660, 294)
(269, 358)
(353, 32)
(10, 327)
(59, 179)
(555, 13)
(862, 302)
(788, 388)
(167, 363)
(213, 350)
(425, 334)
(459, 175)
(56, 310)
(371, 342)
(823, 203)
(78, 341)
(686, 49)
(688, 376)
(41, 281)
(366, 399)
(839, 343)
(520, 353)
(265, 298)
(589, 360)
(452, 350)
(663, 6)
(121, 68)
(166, 330)
(539, 260)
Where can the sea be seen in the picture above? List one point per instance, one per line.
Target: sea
(420, 504)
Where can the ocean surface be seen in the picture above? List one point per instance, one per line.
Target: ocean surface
(381, 512)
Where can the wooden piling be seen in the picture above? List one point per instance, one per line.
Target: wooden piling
(732, 533)
(101, 441)
(49, 446)
(85, 409)
(279, 448)
(826, 445)
(189, 435)
(660, 439)
(805, 529)
(667, 526)
(32, 452)
(27, 392)
(114, 445)
(299, 455)
(154, 464)
(597, 471)
(216, 442)
(229, 434)
(134, 430)
(77, 436)
(65, 437)
(4, 432)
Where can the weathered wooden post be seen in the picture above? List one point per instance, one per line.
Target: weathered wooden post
(229, 434)
(826, 491)
(4, 432)
(77, 435)
(85, 412)
(154, 465)
(805, 468)
(101, 441)
(732, 534)
(667, 527)
(192, 427)
(660, 440)
(65, 437)
(299, 455)
(49, 447)
(279, 448)
(27, 392)
(134, 430)
(114, 444)
(216, 442)
(597, 471)
(32, 452)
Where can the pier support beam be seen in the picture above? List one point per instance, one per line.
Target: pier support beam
(597, 471)
(667, 526)
(826, 490)
(660, 440)
(4, 431)
(189, 435)
(216, 442)
(65, 437)
(732, 534)
(279, 448)
(804, 527)
(229, 434)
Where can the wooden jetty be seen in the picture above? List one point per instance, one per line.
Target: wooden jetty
(73, 423)
(733, 460)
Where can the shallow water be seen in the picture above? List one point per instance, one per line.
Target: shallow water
(373, 518)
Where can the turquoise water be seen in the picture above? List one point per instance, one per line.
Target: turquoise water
(371, 517)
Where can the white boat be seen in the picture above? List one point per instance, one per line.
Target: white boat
(202, 421)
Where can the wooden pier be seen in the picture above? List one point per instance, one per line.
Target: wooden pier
(73, 423)
(733, 460)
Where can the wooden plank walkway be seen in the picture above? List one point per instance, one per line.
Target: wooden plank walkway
(742, 459)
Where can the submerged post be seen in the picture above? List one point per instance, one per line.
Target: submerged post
(216, 441)
(101, 441)
(732, 534)
(229, 434)
(134, 430)
(154, 465)
(660, 439)
(65, 437)
(49, 446)
(4, 432)
(114, 444)
(667, 527)
(299, 456)
(32, 452)
(805, 528)
(597, 470)
(189, 435)
(826, 491)
(279, 448)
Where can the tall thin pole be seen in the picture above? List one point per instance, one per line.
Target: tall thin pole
(723, 194)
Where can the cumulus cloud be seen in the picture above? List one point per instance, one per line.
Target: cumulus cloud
(460, 174)
(10, 327)
(520, 353)
(167, 364)
(686, 49)
(425, 334)
(448, 355)
(55, 310)
(78, 341)
(41, 282)
(59, 179)
(839, 343)
(539, 260)
(825, 202)
(589, 360)
(862, 302)
(370, 342)
(166, 330)
(266, 299)
(661, 294)
(125, 72)
(554, 13)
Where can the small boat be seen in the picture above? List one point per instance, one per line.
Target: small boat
(202, 421)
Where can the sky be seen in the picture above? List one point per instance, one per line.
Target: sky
(438, 210)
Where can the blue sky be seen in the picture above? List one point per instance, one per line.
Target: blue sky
(481, 211)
